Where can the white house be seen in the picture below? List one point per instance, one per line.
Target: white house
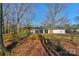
(57, 31)
(43, 31)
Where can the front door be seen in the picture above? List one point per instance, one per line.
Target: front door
(36, 31)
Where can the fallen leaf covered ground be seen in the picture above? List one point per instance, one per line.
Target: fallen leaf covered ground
(70, 46)
(30, 46)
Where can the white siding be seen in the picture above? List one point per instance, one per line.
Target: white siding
(59, 31)
(33, 31)
(77, 30)
(50, 31)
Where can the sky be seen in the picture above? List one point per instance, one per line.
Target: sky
(71, 11)
(40, 13)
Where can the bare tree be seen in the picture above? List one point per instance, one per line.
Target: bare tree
(53, 11)
(28, 18)
(45, 23)
(21, 10)
(77, 19)
(63, 22)
(18, 12)
(6, 14)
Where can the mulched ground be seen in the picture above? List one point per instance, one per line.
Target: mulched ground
(70, 46)
(30, 46)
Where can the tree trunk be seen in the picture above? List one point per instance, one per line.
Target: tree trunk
(17, 28)
(1, 32)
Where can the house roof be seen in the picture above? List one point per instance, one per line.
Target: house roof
(50, 28)
(35, 27)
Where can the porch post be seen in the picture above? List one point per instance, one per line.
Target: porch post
(34, 31)
(43, 31)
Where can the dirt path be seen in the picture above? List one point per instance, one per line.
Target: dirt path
(30, 46)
